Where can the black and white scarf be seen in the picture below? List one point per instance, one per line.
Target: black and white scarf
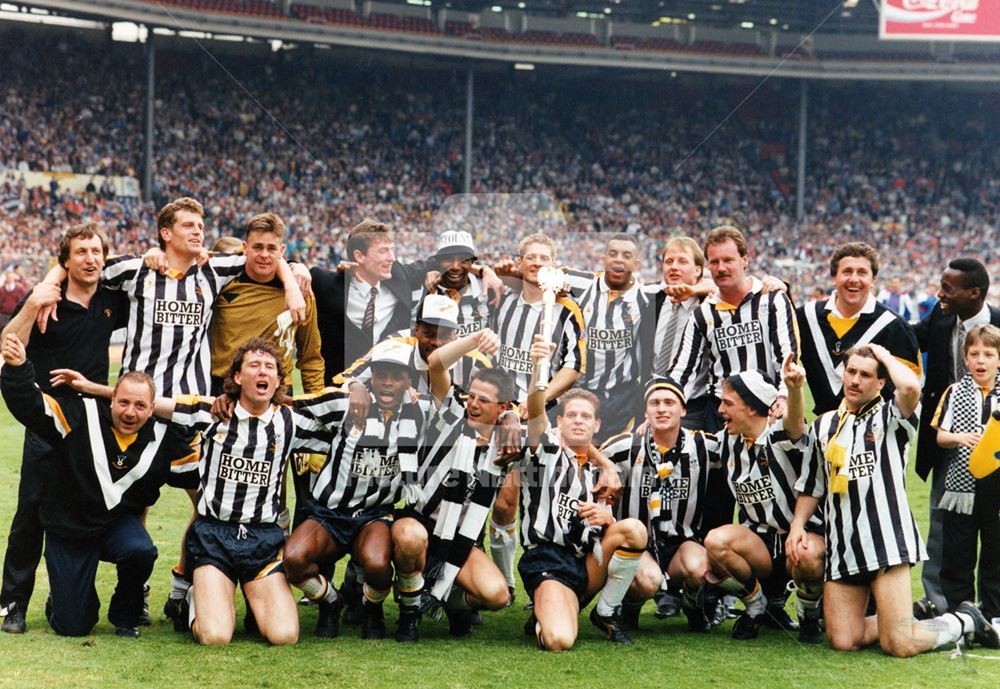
(969, 414)
(472, 486)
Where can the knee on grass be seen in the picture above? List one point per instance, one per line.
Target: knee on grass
(557, 640)
(209, 633)
(283, 633)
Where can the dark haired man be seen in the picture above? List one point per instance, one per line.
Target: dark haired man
(857, 467)
(371, 465)
(458, 478)
(850, 316)
(961, 306)
(613, 305)
(87, 314)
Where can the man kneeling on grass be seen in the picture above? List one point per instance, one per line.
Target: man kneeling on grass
(573, 547)
(858, 467)
(236, 538)
(108, 466)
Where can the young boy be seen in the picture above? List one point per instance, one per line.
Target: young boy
(971, 507)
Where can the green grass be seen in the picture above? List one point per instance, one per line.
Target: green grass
(496, 656)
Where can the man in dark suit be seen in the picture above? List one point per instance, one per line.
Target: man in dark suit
(359, 307)
(962, 305)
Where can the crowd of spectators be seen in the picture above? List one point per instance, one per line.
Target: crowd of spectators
(326, 141)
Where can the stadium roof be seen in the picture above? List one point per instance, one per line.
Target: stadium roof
(802, 16)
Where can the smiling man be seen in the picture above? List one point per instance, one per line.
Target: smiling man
(360, 307)
(455, 256)
(87, 313)
(104, 466)
(613, 304)
(253, 305)
(961, 306)
(664, 475)
(850, 316)
(371, 465)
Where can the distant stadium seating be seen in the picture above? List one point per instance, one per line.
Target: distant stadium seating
(912, 169)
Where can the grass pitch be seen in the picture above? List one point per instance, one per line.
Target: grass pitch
(497, 655)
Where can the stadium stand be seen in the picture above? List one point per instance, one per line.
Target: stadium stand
(911, 166)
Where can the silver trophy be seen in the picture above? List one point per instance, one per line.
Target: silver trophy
(551, 281)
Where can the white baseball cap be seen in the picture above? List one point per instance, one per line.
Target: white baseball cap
(455, 242)
(439, 310)
(392, 352)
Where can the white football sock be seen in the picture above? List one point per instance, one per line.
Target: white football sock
(621, 571)
(503, 548)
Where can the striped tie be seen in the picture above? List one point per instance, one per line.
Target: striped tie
(368, 322)
(667, 342)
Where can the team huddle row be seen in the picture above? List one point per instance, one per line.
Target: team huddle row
(612, 428)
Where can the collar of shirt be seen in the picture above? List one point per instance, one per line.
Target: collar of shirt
(363, 288)
(688, 304)
(241, 413)
(716, 301)
(831, 306)
(981, 318)
(536, 306)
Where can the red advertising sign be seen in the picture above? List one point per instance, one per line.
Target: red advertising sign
(940, 20)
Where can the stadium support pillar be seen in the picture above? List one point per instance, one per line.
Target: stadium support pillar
(147, 158)
(469, 85)
(800, 178)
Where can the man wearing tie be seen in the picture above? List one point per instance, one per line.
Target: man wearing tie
(962, 305)
(357, 308)
(680, 293)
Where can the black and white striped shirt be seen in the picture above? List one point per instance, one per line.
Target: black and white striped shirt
(553, 484)
(762, 476)
(473, 306)
(365, 468)
(826, 335)
(459, 482)
(243, 460)
(869, 526)
(517, 323)
(613, 320)
(461, 372)
(679, 498)
(169, 317)
(756, 334)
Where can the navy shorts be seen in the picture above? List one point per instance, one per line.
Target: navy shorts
(550, 561)
(667, 547)
(425, 521)
(243, 552)
(344, 526)
(619, 411)
(775, 542)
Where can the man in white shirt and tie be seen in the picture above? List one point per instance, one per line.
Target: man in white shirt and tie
(676, 297)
